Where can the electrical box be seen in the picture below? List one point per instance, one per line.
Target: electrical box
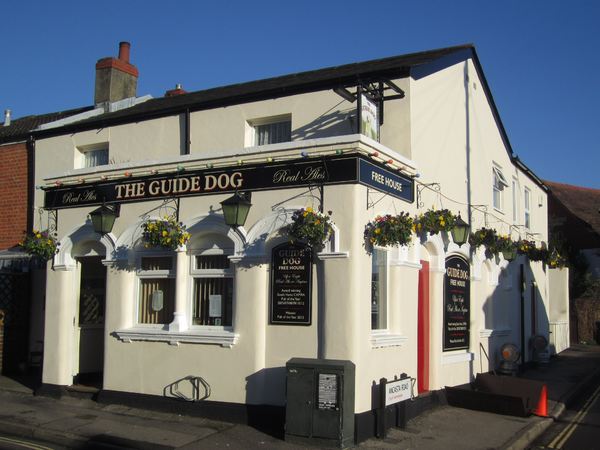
(320, 402)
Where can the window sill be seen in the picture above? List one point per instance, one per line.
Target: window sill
(455, 358)
(218, 337)
(496, 332)
(380, 339)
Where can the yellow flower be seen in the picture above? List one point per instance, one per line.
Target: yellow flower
(38, 235)
(414, 227)
(442, 222)
(317, 222)
(305, 214)
(309, 209)
(168, 240)
(377, 230)
(164, 233)
(49, 241)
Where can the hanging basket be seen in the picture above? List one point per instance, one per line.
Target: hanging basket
(40, 244)
(433, 221)
(389, 231)
(311, 227)
(166, 233)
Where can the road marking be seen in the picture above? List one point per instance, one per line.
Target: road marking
(565, 434)
(24, 444)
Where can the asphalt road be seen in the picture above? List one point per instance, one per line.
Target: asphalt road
(578, 428)
(18, 443)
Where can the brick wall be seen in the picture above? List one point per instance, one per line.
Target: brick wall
(13, 194)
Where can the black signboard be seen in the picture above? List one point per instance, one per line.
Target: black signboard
(384, 180)
(456, 303)
(327, 170)
(291, 272)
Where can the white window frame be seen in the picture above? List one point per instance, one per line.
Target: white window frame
(82, 152)
(381, 251)
(210, 273)
(252, 125)
(527, 208)
(152, 274)
(498, 184)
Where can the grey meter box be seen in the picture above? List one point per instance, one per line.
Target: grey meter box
(320, 402)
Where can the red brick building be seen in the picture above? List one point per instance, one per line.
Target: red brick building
(17, 210)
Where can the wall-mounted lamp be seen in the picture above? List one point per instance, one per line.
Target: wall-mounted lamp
(460, 232)
(104, 217)
(510, 254)
(236, 208)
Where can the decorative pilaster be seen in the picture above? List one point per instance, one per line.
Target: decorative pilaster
(180, 322)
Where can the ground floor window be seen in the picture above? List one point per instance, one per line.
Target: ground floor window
(213, 289)
(157, 290)
(379, 289)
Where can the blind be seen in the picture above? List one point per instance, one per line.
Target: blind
(147, 287)
(272, 133)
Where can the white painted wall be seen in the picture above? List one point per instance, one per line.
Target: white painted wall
(440, 118)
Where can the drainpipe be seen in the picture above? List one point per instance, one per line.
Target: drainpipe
(187, 132)
(522, 294)
(30, 182)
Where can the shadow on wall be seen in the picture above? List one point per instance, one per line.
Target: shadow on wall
(508, 320)
(329, 124)
(263, 388)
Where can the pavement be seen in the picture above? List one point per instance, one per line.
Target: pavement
(77, 423)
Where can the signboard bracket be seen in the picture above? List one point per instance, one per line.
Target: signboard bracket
(370, 192)
(435, 187)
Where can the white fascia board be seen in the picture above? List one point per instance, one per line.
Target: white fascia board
(286, 150)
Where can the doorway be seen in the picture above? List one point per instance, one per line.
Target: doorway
(90, 325)
(423, 324)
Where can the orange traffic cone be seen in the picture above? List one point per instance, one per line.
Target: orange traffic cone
(542, 407)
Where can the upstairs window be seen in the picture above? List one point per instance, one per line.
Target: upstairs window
(271, 130)
(498, 187)
(527, 207)
(93, 156)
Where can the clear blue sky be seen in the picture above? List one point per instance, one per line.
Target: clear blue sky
(541, 58)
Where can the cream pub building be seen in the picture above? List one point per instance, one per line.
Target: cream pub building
(401, 134)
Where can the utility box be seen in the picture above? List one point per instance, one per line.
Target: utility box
(320, 402)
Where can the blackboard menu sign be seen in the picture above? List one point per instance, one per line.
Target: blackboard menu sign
(291, 271)
(456, 303)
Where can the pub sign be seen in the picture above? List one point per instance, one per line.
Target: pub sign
(291, 274)
(457, 305)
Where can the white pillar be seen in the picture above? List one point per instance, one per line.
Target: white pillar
(250, 319)
(59, 327)
(180, 322)
(436, 304)
(339, 328)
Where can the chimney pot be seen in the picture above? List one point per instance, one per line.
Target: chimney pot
(7, 117)
(124, 48)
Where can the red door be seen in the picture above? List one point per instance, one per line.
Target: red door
(423, 329)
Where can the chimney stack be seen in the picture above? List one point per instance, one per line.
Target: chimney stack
(177, 91)
(116, 78)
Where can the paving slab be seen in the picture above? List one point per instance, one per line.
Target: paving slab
(80, 423)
